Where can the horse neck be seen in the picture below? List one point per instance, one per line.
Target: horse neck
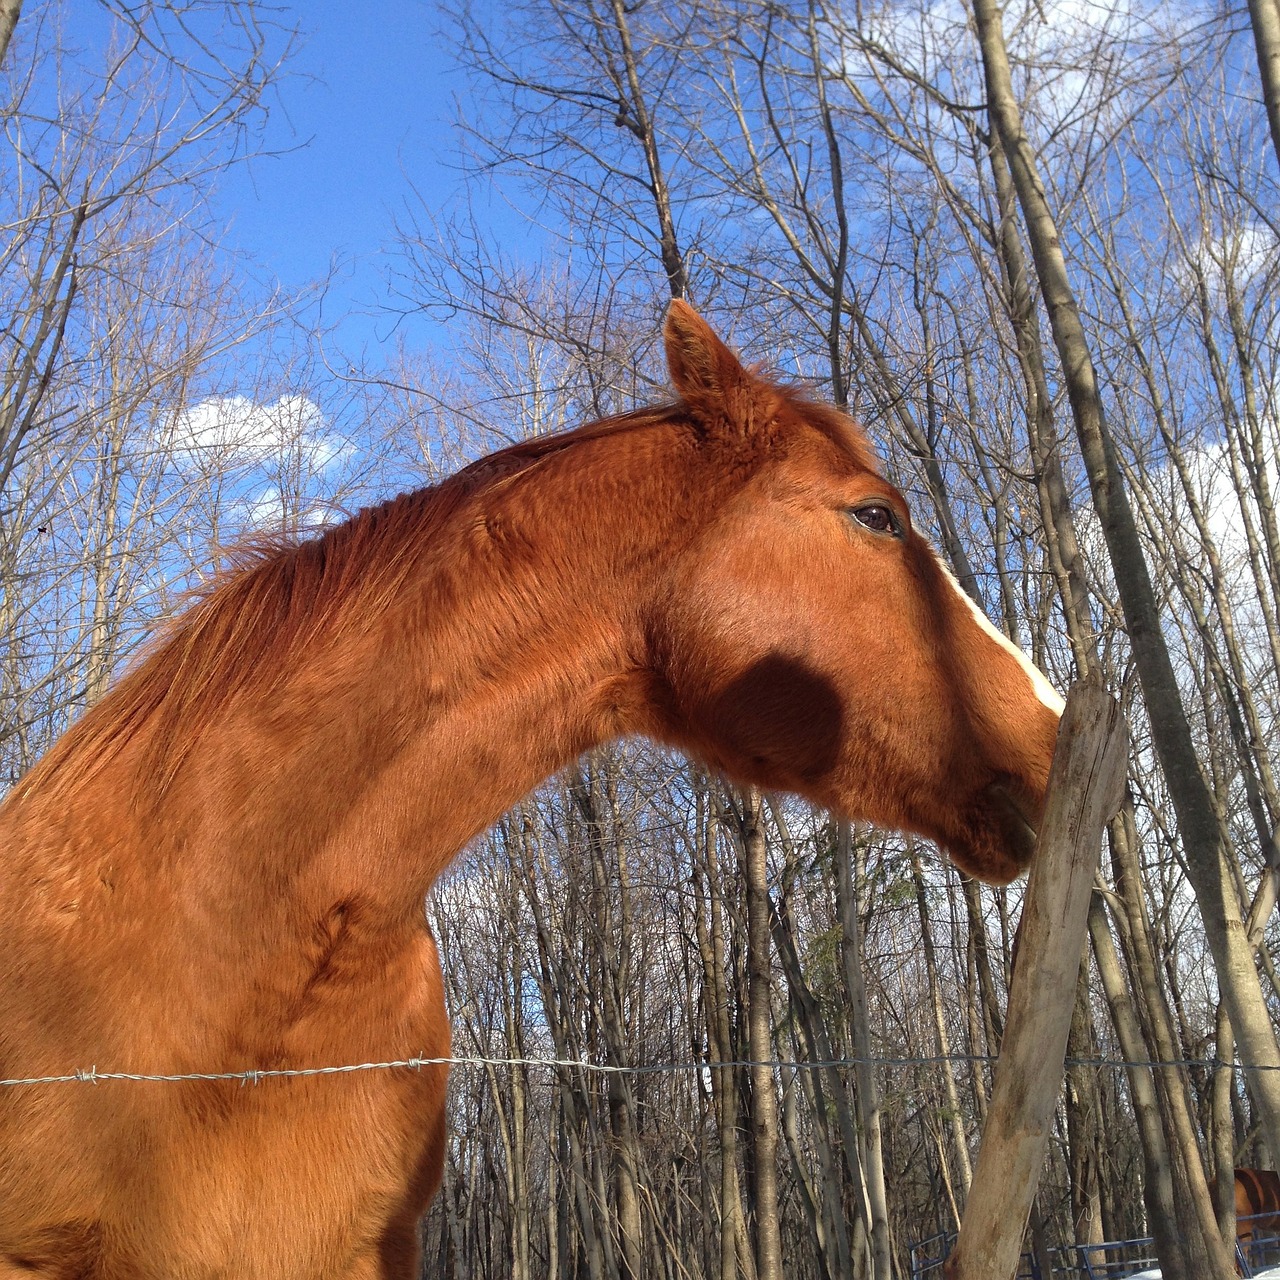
(374, 763)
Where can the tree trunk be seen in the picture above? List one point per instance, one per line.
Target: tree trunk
(1223, 1129)
(764, 1098)
(574, 1116)
(724, 1095)
(1265, 17)
(868, 1090)
(840, 1099)
(9, 12)
(1157, 1184)
(1085, 788)
(1197, 1227)
(588, 793)
(635, 115)
(955, 1117)
(1083, 1105)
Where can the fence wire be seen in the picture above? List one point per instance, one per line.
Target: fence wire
(92, 1075)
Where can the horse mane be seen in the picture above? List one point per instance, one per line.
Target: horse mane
(276, 595)
(279, 594)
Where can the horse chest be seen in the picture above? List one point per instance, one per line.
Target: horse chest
(290, 1178)
(310, 1178)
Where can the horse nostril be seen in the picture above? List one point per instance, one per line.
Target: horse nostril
(1017, 820)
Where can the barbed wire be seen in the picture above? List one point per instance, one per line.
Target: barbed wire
(257, 1075)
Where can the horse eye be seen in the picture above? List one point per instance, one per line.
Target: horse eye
(877, 518)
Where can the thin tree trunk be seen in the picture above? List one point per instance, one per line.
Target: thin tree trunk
(553, 985)
(587, 792)
(1197, 1227)
(956, 1118)
(1157, 1182)
(1042, 431)
(817, 1045)
(820, 1196)
(1082, 1105)
(1223, 1128)
(636, 116)
(724, 1095)
(764, 1099)
(868, 1090)
(453, 1245)
(554, 1180)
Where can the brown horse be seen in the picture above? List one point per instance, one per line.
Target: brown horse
(1257, 1203)
(223, 865)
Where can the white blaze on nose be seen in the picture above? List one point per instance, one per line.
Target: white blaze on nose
(1044, 690)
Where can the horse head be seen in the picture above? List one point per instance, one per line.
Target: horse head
(809, 639)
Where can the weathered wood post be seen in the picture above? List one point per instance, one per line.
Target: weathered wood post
(1086, 787)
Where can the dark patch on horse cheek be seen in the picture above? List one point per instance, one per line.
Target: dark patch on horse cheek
(780, 714)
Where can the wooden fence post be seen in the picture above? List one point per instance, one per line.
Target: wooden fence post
(1086, 787)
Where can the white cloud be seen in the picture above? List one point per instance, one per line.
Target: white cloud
(263, 465)
(1209, 470)
(266, 510)
(1244, 253)
(236, 430)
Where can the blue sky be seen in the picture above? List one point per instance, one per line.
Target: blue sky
(365, 109)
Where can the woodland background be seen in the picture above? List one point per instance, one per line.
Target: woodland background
(1042, 269)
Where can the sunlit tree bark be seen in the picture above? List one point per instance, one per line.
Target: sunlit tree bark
(1264, 15)
(10, 11)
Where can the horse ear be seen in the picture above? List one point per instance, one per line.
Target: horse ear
(711, 381)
